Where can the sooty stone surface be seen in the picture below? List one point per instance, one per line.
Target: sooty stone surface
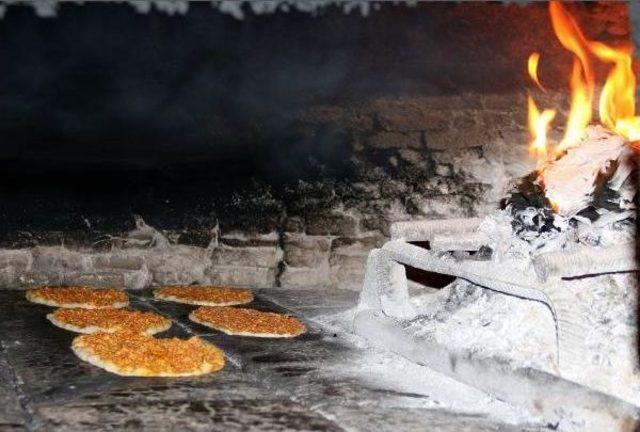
(267, 384)
(191, 415)
(11, 417)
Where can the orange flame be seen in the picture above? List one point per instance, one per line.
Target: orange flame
(538, 127)
(532, 67)
(582, 82)
(617, 102)
(617, 105)
(579, 110)
(538, 122)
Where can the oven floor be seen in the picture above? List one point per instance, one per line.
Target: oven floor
(311, 383)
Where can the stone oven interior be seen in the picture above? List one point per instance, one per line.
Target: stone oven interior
(280, 146)
(290, 141)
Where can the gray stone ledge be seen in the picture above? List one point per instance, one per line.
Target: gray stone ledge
(258, 256)
(242, 276)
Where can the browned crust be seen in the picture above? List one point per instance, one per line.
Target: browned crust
(248, 322)
(109, 320)
(78, 297)
(204, 295)
(132, 354)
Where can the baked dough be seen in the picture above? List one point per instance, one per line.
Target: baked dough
(129, 353)
(248, 322)
(109, 320)
(204, 295)
(78, 297)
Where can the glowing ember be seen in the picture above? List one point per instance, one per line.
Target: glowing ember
(616, 106)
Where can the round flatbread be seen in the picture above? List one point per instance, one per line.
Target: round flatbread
(79, 297)
(248, 322)
(133, 354)
(204, 295)
(89, 321)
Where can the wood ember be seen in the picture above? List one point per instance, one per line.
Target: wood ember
(527, 193)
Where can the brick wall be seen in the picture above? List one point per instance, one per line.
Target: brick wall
(411, 158)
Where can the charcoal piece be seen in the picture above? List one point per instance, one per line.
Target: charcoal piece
(590, 213)
(532, 222)
(604, 197)
(483, 254)
(526, 193)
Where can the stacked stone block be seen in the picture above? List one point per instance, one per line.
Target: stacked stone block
(413, 157)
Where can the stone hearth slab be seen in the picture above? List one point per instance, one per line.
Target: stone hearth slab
(307, 383)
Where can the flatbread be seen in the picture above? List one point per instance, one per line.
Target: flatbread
(78, 297)
(248, 322)
(133, 354)
(204, 295)
(89, 321)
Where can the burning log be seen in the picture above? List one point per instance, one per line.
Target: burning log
(592, 180)
(601, 160)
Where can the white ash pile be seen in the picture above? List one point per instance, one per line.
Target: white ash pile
(537, 288)
(571, 228)
(574, 225)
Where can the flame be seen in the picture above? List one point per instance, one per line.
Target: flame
(532, 67)
(582, 81)
(617, 103)
(538, 127)
(538, 122)
(579, 110)
(630, 128)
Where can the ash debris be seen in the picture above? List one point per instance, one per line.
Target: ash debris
(603, 213)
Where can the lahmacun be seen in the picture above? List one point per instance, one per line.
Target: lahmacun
(248, 322)
(204, 295)
(129, 353)
(109, 320)
(78, 297)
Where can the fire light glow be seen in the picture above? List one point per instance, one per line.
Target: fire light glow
(616, 107)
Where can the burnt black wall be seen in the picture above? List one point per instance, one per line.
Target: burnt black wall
(102, 83)
(105, 112)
